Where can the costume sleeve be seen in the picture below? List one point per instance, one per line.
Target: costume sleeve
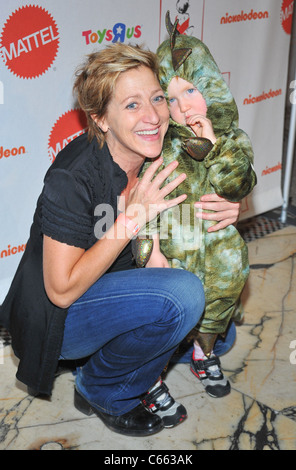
(230, 165)
(66, 209)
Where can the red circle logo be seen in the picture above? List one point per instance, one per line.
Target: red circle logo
(29, 41)
(69, 126)
(287, 15)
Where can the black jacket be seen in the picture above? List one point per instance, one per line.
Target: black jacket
(81, 177)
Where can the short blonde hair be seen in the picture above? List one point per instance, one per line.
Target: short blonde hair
(96, 78)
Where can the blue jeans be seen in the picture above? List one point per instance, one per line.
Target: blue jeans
(222, 346)
(129, 323)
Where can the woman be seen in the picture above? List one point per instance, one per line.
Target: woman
(76, 296)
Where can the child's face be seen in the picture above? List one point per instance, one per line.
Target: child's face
(185, 100)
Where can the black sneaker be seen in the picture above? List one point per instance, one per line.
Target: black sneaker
(159, 401)
(211, 376)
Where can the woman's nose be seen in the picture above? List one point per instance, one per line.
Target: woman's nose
(150, 114)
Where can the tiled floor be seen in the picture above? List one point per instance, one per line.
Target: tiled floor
(260, 413)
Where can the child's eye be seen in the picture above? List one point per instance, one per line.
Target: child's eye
(191, 90)
(172, 100)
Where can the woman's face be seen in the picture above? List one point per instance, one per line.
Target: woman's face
(137, 116)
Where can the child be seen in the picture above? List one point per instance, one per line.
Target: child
(217, 157)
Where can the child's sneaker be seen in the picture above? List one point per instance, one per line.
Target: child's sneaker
(211, 376)
(158, 400)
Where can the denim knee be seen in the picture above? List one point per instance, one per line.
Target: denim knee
(191, 294)
(185, 294)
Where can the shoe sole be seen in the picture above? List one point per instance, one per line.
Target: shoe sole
(210, 394)
(168, 425)
(82, 405)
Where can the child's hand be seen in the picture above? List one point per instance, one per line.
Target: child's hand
(201, 126)
(157, 260)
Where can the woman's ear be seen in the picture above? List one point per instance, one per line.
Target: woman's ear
(100, 122)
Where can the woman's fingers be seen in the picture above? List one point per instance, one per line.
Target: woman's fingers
(218, 206)
(223, 212)
(217, 216)
(151, 170)
(169, 187)
(160, 178)
(220, 225)
(173, 202)
(156, 187)
(147, 197)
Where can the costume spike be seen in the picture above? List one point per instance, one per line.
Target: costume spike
(169, 24)
(178, 55)
(197, 147)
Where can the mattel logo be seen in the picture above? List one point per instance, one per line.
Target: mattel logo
(66, 128)
(118, 33)
(29, 41)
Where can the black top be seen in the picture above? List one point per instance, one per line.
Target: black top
(70, 210)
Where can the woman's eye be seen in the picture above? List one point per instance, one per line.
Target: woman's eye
(191, 90)
(159, 99)
(131, 106)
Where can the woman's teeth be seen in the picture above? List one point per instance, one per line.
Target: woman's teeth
(155, 131)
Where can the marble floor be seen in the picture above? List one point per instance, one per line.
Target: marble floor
(260, 413)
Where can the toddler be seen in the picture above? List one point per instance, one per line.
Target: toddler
(217, 157)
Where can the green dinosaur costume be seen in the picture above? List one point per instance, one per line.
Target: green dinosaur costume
(219, 259)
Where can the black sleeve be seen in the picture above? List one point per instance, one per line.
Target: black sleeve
(67, 209)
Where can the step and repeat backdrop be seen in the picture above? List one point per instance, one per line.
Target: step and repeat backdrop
(42, 43)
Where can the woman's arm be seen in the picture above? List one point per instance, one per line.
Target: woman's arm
(70, 271)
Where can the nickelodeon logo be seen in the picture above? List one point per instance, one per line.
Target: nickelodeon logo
(29, 41)
(12, 250)
(11, 152)
(273, 169)
(242, 16)
(263, 96)
(118, 33)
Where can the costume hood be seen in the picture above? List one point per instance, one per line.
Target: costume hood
(189, 58)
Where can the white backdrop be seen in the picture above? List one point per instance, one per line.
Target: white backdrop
(41, 44)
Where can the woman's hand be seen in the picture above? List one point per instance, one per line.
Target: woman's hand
(147, 198)
(224, 212)
(201, 126)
